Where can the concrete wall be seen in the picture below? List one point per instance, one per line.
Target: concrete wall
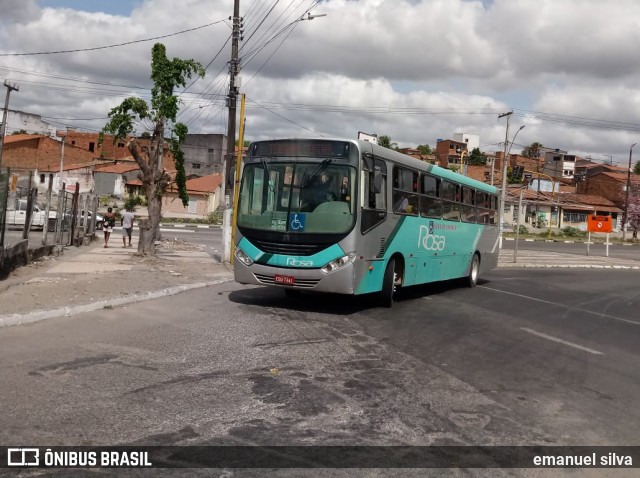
(12, 257)
(204, 153)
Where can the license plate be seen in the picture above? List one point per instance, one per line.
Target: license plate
(280, 279)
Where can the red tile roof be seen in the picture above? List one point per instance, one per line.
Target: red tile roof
(119, 168)
(204, 184)
(14, 138)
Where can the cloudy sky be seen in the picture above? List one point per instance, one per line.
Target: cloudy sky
(415, 70)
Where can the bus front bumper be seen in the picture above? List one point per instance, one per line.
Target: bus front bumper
(340, 281)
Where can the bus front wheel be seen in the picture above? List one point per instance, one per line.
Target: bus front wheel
(388, 285)
(474, 270)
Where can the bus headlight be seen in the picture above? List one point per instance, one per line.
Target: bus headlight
(339, 263)
(244, 258)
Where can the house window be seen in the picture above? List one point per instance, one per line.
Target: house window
(92, 146)
(73, 143)
(210, 151)
(42, 179)
(193, 206)
(120, 145)
(195, 165)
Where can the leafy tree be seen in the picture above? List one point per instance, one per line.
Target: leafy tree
(633, 210)
(514, 175)
(22, 131)
(424, 149)
(166, 75)
(533, 151)
(636, 169)
(386, 142)
(476, 157)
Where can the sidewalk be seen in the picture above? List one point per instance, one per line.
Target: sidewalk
(556, 260)
(89, 278)
(92, 277)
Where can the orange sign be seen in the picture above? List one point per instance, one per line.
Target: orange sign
(599, 224)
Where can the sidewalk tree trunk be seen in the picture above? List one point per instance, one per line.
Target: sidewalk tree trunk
(166, 75)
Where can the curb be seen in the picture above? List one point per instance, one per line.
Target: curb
(571, 241)
(191, 226)
(38, 315)
(508, 265)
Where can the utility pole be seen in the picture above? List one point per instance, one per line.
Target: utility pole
(10, 87)
(503, 192)
(227, 178)
(625, 219)
(232, 99)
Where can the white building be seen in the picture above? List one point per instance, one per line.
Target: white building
(558, 164)
(32, 124)
(472, 140)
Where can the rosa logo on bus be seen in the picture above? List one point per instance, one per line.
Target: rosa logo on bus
(293, 262)
(430, 242)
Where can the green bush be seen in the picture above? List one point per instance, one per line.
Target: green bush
(523, 230)
(131, 202)
(215, 218)
(573, 232)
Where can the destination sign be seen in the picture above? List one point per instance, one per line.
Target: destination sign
(306, 148)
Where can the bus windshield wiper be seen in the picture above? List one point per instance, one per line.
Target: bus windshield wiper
(321, 167)
(267, 174)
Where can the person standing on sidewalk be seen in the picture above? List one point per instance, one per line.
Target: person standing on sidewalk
(109, 224)
(126, 221)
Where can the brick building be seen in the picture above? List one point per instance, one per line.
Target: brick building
(609, 185)
(108, 150)
(26, 153)
(449, 152)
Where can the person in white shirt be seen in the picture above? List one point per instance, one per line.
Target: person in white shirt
(126, 222)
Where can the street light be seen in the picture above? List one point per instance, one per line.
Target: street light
(626, 198)
(503, 193)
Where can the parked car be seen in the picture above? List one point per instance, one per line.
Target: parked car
(99, 219)
(506, 227)
(17, 215)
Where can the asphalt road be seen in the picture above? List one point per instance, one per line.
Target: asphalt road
(527, 357)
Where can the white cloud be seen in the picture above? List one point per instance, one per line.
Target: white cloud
(436, 66)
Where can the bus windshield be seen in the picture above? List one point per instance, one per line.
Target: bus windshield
(303, 197)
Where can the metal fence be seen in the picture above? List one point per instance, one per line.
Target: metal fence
(63, 220)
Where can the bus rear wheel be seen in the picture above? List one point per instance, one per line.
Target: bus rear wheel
(474, 270)
(388, 285)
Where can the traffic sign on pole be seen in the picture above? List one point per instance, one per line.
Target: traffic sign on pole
(599, 223)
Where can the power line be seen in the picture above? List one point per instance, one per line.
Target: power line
(112, 46)
(284, 118)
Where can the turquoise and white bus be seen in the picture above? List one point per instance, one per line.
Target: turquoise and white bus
(351, 217)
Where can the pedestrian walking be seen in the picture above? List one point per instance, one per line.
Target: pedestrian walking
(109, 224)
(126, 221)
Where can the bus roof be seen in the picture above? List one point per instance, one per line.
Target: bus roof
(404, 160)
(410, 162)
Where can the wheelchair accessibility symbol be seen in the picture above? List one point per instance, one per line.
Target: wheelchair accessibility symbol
(297, 221)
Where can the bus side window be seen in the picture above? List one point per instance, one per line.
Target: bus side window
(405, 189)
(469, 208)
(430, 204)
(450, 193)
(373, 193)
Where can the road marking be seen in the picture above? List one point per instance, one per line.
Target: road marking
(598, 314)
(560, 341)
